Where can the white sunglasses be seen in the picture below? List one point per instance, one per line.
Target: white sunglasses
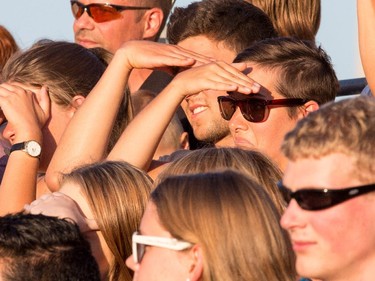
(141, 241)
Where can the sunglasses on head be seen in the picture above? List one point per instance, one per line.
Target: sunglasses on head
(253, 109)
(139, 243)
(101, 12)
(319, 199)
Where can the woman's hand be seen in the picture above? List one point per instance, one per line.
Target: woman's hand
(59, 205)
(218, 76)
(151, 55)
(25, 111)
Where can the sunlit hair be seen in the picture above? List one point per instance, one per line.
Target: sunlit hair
(215, 20)
(303, 70)
(295, 18)
(250, 162)
(232, 219)
(117, 193)
(346, 127)
(68, 70)
(8, 46)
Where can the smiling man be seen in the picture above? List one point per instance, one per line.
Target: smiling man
(109, 24)
(329, 183)
(296, 77)
(219, 29)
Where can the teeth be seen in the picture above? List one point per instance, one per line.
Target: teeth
(199, 109)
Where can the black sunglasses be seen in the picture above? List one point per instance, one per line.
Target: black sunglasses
(319, 199)
(253, 108)
(101, 12)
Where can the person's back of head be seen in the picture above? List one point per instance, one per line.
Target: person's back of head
(37, 247)
(304, 70)
(346, 127)
(8, 46)
(117, 193)
(232, 219)
(250, 162)
(234, 23)
(295, 18)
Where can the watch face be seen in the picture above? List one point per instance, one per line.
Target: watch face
(33, 148)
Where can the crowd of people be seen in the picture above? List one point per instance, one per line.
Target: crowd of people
(220, 155)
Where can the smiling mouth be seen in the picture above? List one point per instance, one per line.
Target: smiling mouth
(199, 109)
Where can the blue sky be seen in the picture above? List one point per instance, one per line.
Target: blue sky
(32, 20)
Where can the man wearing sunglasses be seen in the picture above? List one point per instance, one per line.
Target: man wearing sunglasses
(109, 24)
(208, 28)
(296, 77)
(329, 183)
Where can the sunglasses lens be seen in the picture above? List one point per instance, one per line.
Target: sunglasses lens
(253, 110)
(101, 13)
(227, 108)
(140, 252)
(76, 10)
(313, 200)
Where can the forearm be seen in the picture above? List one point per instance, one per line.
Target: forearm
(18, 186)
(140, 139)
(85, 138)
(366, 36)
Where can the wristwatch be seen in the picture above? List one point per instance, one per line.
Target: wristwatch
(31, 147)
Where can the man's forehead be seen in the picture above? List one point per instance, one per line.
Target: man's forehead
(331, 171)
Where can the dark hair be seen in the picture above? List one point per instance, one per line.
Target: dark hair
(304, 70)
(37, 247)
(236, 23)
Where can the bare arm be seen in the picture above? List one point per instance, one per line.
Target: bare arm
(140, 139)
(366, 35)
(85, 138)
(21, 109)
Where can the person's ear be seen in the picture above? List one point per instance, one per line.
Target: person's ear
(308, 107)
(152, 24)
(196, 268)
(184, 141)
(76, 102)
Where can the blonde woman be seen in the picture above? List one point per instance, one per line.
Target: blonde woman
(107, 201)
(211, 227)
(42, 90)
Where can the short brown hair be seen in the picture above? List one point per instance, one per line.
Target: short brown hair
(304, 70)
(347, 127)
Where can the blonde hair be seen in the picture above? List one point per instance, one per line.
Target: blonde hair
(232, 219)
(117, 193)
(68, 70)
(250, 162)
(294, 18)
(346, 127)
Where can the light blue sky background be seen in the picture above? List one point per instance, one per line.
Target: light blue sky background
(30, 20)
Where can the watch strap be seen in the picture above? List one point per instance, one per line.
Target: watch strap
(17, 146)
